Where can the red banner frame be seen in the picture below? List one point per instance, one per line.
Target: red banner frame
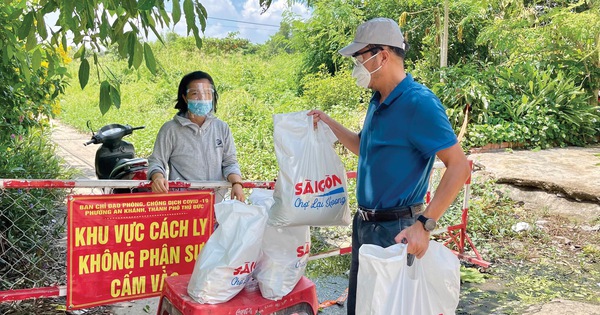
(122, 246)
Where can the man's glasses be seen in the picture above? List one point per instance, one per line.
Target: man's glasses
(358, 55)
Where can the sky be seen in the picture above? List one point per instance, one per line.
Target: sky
(252, 25)
(227, 16)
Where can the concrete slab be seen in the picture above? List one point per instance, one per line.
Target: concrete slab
(560, 307)
(572, 171)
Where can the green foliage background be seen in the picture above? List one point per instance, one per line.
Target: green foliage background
(529, 71)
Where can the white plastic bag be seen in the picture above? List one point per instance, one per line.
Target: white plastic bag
(386, 285)
(262, 197)
(229, 256)
(311, 188)
(284, 253)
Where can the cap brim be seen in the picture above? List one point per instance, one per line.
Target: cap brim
(349, 50)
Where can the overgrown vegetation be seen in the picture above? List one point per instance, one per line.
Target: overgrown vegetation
(31, 220)
(529, 72)
(532, 98)
(252, 87)
(31, 79)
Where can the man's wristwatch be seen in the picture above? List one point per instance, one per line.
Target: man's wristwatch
(428, 224)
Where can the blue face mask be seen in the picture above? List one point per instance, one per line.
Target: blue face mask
(200, 107)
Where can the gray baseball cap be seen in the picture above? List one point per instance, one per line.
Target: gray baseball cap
(377, 31)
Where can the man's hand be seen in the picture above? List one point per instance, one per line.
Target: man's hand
(319, 116)
(347, 138)
(417, 239)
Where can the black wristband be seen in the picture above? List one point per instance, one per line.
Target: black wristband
(238, 183)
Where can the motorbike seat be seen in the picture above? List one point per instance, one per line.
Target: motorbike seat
(126, 166)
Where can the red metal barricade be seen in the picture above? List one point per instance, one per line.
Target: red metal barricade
(457, 234)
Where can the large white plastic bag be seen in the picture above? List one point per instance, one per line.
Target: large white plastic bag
(262, 197)
(285, 253)
(386, 285)
(311, 187)
(229, 256)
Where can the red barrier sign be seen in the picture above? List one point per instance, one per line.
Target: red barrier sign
(121, 247)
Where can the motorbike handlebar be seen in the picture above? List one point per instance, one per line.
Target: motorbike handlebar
(112, 133)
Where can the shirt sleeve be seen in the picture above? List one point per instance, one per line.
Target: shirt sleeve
(230, 164)
(431, 130)
(159, 159)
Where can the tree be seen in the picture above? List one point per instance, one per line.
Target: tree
(329, 29)
(93, 26)
(564, 35)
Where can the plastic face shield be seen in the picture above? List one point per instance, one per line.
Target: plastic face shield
(200, 91)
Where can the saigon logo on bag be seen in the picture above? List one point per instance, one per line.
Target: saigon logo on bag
(302, 250)
(239, 272)
(326, 189)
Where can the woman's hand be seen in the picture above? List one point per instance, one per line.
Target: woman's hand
(159, 184)
(237, 192)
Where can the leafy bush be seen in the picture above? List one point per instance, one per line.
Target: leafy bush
(31, 221)
(562, 35)
(326, 91)
(329, 29)
(548, 102)
(30, 156)
(526, 104)
(461, 86)
(31, 79)
(230, 44)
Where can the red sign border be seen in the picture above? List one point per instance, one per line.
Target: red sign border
(73, 198)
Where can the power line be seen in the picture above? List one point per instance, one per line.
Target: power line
(221, 19)
(241, 27)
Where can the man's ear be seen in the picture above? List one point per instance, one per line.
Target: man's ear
(385, 55)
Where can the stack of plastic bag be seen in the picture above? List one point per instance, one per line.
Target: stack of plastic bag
(229, 256)
(311, 189)
(284, 254)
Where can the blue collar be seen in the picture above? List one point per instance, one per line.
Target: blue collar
(396, 92)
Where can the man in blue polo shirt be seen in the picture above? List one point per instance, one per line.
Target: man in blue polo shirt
(405, 128)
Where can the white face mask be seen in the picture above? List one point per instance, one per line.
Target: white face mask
(361, 74)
